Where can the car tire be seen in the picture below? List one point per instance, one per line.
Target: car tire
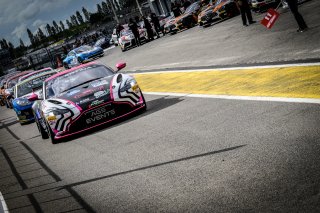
(42, 131)
(80, 60)
(144, 100)
(51, 134)
(66, 66)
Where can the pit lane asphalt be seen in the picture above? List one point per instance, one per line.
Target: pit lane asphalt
(183, 154)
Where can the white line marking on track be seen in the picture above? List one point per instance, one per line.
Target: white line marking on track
(3, 203)
(245, 98)
(234, 68)
(109, 48)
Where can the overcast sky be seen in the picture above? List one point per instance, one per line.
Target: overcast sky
(18, 15)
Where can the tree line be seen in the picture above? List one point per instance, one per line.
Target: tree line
(76, 24)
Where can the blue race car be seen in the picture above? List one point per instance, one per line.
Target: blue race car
(81, 55)
(24, 93)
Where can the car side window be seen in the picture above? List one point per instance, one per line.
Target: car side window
(71, 54)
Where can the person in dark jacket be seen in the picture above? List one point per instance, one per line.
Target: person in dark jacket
(119, 29)
(134, 29)
(245, 12)
(148, 27)
(175, 8)
(293, 5)
(186, 4)
(156, 23)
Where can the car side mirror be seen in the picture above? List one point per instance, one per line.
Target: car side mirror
(33, 97)
(120, 66)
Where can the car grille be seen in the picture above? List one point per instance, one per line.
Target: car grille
(94, 117)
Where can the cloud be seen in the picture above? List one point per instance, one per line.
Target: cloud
(12, 11)
(39, 24)
(20, 30)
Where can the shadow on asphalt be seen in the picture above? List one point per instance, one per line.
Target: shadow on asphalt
(152, 107)
(154, 166)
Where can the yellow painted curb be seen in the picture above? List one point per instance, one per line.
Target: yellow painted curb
(293, 82)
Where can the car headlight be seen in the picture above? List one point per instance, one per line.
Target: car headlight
(131, 85)
(23, 102)
(60, 111)
(52, 116)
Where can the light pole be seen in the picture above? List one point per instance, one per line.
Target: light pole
(114, 12)
(140, 10)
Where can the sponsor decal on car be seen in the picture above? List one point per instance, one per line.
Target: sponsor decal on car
(83, 101)
(96, 103)
(101, 93)
(89, 91)
(99, 114)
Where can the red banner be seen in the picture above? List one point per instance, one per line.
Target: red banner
(270, 18)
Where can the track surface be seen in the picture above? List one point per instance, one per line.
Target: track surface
(184, 153)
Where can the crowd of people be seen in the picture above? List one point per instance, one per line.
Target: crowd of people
(150, 23)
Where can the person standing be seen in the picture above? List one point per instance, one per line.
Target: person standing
(135, 31)
(175, 9)
(186, 4)
(119, 29)
(148, 27)
(293, 5)
(156, 23)
(245, 11)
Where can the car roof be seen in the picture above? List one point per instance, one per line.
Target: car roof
(71, 70)
(35, 72)
(30, 79)
(18, 75)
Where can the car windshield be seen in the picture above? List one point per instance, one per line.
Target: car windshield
(99, 42)
(218, 2)
(12, 82)
(59, 85)
(26, 87)
(191, 7)
(83, 49)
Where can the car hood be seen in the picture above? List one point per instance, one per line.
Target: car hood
(96, 93)
(223, 3)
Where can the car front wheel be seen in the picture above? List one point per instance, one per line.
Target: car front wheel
(42, 131)
(51, 134)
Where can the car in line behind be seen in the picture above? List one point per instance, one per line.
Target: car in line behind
(24, 94)
(81, 55)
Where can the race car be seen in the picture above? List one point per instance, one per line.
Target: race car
(187, 20)
(81, 55)
(35, 73)
(103, 42)
(24, 95)
(127, 38)
(220, 10)
(85, 97)
(8, 93)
